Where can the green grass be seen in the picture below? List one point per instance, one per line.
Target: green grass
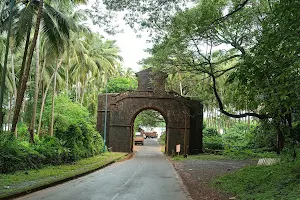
(200, 157)
(162, 148)
(229, 155)
(248, 154)
(277, 182)
(22, 181)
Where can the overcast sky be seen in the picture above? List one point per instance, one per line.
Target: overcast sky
(132, 47)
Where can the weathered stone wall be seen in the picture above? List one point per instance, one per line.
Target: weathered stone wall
(123, 108)
(183, 117)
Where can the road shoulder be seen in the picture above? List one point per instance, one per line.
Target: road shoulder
(25, 182)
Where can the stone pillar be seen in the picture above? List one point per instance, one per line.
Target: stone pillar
(196, 125)
(159, 80)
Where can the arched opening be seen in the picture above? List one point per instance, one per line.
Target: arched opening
(147, 126)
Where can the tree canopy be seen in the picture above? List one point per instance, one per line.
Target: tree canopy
(246, 52)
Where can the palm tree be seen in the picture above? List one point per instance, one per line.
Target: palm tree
(3, 75)
(74, 20)
(56, 28)
(91, 56)
(70, 23)
(36, 91)
(24, 77)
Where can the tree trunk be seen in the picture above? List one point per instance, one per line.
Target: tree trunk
(53, 98)
(24, 55)
(24, 78)
(67, 76)
(180, 84)
(10, 111)
(76, 90)
(4, 69)
(43, 104)
(280, 136)
(36, 90)
(82, 96)
(52, 108)
(13, 73)
(280, 140)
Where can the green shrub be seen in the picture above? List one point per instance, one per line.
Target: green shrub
(16, 155)
(239, 136)
(81, 140)
(212, 139)
(52, 149)
(210, 131)
(93, 141)
(213, 142)
(74, 138)
(22, 130)
(121, 84)
(265, 136)
(162, 139)
(66, 113)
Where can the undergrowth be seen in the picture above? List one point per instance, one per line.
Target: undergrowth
(277, 182)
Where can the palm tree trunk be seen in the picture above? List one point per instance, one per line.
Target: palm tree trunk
(52, 109)
(53, 98)
(24, 55)
(53, 102)
(36, 92)
(180, 84)
(67, 76)
(13, 74)
(42, 72)
(10, 109)
(24, 79)
(82, 96)
(3, 75)
(76, 90)
(22, 69)
(43, 104)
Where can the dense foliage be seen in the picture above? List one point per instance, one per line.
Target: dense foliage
(162, 139)
(74, 138)
(232, 57)
(121, 84)
(53, 68)
(212, 139)
(66, 113)
(238, 137)
(149, 118)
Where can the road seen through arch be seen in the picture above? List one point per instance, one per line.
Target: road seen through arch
(146, 176)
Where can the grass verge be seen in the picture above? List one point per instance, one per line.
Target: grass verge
(25, 181)
(277, 182)
(199, 157)
(228, 155)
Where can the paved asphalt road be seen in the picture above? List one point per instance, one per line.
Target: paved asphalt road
(147, 176)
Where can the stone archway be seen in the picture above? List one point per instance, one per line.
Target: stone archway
(145, 109)
(184, 117)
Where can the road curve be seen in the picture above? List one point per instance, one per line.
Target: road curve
(147, 176)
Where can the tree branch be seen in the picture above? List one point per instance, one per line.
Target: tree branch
(224, 71)
(259, 116)
(239, 7)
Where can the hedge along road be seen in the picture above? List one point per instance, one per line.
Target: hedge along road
(148, 175)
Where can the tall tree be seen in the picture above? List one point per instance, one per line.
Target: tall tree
(56, 28)
(3, 75)
(261, 73)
